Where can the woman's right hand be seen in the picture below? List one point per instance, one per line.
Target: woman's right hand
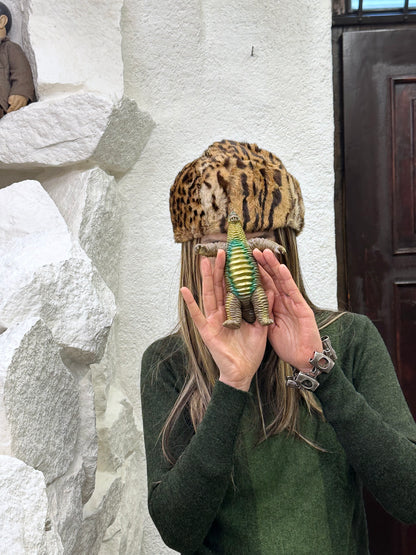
(237, 352)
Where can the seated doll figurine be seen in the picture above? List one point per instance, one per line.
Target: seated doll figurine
(16, 81)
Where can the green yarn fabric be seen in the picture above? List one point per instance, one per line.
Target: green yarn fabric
(227, 493)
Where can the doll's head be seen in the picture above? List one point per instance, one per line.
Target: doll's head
(5, 12)
(239, 176)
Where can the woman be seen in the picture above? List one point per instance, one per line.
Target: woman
(237, 461)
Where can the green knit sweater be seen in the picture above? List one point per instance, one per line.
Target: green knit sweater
(228, 494)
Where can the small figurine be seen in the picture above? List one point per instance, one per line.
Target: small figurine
(16, 80)
(245, 295)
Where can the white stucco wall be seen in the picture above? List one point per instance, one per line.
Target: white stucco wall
(190, 65)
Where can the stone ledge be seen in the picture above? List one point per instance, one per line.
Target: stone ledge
(74, 129)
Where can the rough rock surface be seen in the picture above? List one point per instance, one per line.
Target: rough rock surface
(104, 372)
(117, 434)
(45, 273)
(99, 513)
(23, 508)
(65, 503)
(125, 534)
(73, 129)
(87, 442)
(70, 492)
(40, 400)
(88, 203)
(25, 209)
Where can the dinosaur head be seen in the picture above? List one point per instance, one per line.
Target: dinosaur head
(233, 217)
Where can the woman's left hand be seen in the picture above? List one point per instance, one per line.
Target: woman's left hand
(294, 334)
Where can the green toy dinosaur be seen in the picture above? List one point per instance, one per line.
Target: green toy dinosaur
(245, 295)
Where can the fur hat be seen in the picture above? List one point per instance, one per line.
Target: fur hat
(234, 176)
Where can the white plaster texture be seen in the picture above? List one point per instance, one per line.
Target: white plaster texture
(211, 87)
(74, 129)
(39, 415)
(88, 202)
(206, 71)
(23, 508)
(45, 273)
(78, 46)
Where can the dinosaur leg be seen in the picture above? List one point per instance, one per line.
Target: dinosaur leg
(261, 243)
(209, 249)
(261, 306)
(233, 310)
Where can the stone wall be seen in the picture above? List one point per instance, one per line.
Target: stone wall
(69, 446)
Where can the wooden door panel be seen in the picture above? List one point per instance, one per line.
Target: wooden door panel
(405, 307)
(403, 96)
(379, 94)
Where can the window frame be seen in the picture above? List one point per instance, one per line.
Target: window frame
(343, 16)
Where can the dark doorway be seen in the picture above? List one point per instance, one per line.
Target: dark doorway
(378, 262)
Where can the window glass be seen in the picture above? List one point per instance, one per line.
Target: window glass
(382, 5)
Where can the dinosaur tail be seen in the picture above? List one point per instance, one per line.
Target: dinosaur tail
(247, 312)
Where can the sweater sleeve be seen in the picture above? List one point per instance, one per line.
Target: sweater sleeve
(184, 498)
(371, 418)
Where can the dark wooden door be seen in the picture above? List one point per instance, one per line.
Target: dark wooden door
(379, 94)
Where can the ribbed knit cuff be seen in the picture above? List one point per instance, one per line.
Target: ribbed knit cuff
(220, 427)
(337, 395)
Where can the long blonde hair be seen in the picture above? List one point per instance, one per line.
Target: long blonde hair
(202, 372)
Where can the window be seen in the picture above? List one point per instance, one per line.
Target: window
(372, 5)
(374, 12)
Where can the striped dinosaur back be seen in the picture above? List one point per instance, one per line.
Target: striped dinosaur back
(241, 269)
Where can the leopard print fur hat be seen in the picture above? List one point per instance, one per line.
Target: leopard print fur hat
(234, 176)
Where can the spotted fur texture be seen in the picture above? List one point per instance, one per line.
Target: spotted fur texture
(234, 176)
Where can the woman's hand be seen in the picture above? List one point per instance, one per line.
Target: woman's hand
(237, 352)
(294, 335)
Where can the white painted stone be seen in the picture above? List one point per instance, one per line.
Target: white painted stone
(126, 532)
(87, 442)
(65, 503)
(99, 513)
(77, 48)
(114, 539)
(73, 129)
(40, 400)
(23, 508)
(104, 372)
(24, 209)
(70, 492)
(45, 273)
(88, 202)
(118, 437)
(52, 544)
